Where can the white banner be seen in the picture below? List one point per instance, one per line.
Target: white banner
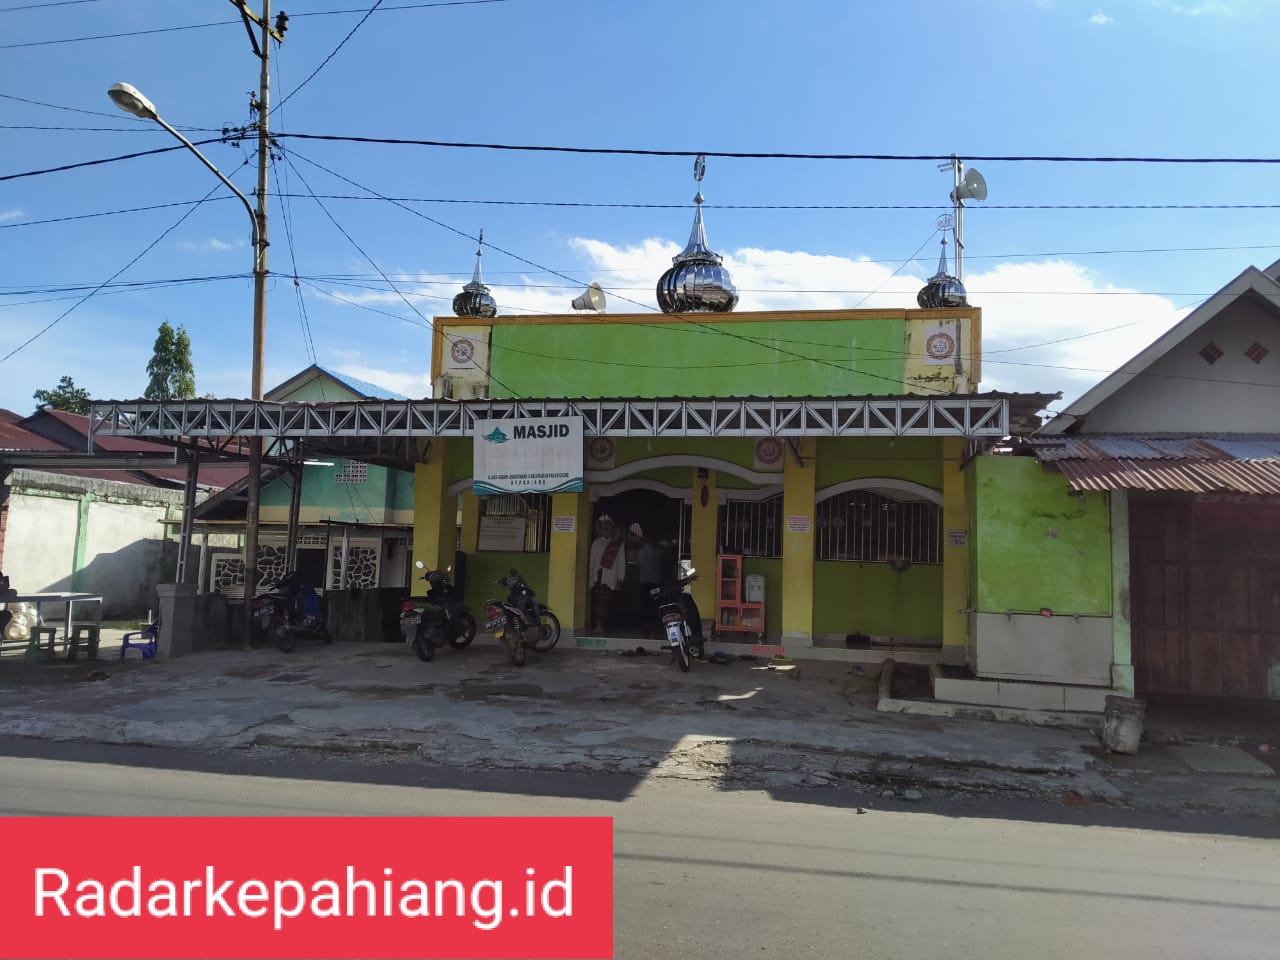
(528, 455)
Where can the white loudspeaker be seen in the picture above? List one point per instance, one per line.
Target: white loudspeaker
(591, 299)
(972, 187)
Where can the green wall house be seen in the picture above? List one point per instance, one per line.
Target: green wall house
(366, 508)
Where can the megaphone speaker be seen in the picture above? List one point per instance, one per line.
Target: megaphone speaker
(972, 187)
(591, 299)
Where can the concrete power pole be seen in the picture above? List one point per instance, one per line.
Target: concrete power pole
(263, 105)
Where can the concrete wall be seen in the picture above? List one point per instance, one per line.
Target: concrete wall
(72, 534)
(1039, 547)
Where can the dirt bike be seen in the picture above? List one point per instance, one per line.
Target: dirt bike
(521, 620)
(437, 619)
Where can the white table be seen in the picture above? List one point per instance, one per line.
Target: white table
(70, 599)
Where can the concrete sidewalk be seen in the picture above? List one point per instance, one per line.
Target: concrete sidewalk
(744, 725)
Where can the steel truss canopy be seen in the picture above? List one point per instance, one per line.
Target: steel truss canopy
(974, 416)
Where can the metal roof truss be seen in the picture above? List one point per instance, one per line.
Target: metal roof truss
(971, 416)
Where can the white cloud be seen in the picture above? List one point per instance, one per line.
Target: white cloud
(1208, 8)
(213, 243)
(407, 384)
(10, 215)
(1101, 19)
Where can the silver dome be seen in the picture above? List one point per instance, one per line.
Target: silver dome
(475, 300)
(943, 289)
(698, 281)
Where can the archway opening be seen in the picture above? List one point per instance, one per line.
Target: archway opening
(654, 530)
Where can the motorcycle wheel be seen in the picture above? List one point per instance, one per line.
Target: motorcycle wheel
(468, 632)
(682, 656)
(281, 634)
(550, 630)
(423, 647)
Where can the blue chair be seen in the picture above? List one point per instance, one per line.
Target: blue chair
(150, 634)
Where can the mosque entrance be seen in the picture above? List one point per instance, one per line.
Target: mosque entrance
(637, 535)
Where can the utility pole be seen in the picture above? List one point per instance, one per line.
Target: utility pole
(263, 107)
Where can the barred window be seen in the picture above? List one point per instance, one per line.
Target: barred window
(752, 528)
(872, 528)
(354, 471)
(501, 531)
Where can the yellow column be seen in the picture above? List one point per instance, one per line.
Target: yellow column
(799, 485)
(470, 522)
(435, 513)
(955, 556)
(704, 539)
(567, 561)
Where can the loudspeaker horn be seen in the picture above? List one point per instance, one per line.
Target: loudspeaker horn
(591, 299)
(972, 187)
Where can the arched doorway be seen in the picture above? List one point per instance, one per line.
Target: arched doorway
(659, 517)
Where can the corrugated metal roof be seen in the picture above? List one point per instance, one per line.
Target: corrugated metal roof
(1155, 448)
(1242, 464)
(1260, 477)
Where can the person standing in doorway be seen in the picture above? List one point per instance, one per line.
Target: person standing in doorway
(651, 562)
(608, 570)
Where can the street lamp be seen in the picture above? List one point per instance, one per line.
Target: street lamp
(129, 99)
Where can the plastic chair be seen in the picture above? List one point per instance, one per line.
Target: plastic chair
(150, 635)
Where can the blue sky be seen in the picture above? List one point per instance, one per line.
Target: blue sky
(993, 78)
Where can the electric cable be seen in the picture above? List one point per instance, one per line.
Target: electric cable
(693, 323)
(326, 60)
(30, 340)
(95, 163)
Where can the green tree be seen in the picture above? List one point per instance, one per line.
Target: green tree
(171, 374)
(65, 396)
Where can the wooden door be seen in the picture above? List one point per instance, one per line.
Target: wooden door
(1205, 590)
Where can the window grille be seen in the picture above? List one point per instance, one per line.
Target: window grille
(872, 528)
(534, 507)
(752, 528)
(355, 471)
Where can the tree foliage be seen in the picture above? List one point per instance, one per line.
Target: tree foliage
(171, 374)
(65, 396)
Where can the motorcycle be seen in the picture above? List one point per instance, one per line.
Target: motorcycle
(436, 619)
(681, 620)
(290, 610)
(521, 619)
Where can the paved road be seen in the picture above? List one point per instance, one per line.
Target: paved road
(744, 874)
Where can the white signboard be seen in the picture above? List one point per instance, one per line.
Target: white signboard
(797, 524)
(940, 346)
(528, 455)
(505, 534)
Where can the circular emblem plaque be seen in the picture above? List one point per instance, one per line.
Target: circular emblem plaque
(940, 345)
(462, 351)
(600, 449)
(769, 450)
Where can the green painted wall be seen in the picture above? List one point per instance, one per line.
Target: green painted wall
(384, 489)
(918, 459)
(484, 568)
(871, 598)
(319, 389)
(1037, 545)
(682, 359)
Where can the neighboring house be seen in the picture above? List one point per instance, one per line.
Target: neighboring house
(1137, 546)
(99, 531)
(368, 507)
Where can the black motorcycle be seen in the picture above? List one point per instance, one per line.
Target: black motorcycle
(436, 619)
(681, 620)
(521, 619)
(289, 610)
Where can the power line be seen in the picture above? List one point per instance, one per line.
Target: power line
(745, 155)
(62, 316)
(41, 6)
(326, 60)
(94, 163)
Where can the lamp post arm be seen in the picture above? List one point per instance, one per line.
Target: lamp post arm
(253, 217)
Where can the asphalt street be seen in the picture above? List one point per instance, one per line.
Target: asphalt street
(714, 873)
